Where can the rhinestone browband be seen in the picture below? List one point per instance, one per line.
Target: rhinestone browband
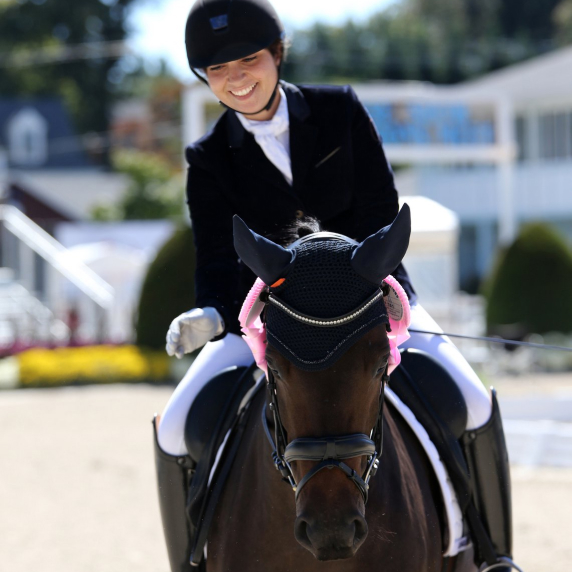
(328, 322)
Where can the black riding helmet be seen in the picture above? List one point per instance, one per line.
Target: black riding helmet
(220, 31)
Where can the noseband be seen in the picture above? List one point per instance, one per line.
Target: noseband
(329, 451)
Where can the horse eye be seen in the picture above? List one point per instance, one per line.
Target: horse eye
(383, 367)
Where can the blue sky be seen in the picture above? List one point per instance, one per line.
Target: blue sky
(158, 26)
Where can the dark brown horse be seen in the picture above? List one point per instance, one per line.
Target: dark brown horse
(259, 525)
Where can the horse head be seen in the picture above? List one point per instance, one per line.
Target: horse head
(327, 355)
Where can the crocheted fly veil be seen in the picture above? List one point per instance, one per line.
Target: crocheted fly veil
(323, 291)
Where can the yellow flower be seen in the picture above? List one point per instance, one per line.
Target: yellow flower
(91, 364)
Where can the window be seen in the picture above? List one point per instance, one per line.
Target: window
(28, 138)
(521, 138)
(555, 136)
(560, 135)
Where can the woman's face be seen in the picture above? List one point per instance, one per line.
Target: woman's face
(247, 84)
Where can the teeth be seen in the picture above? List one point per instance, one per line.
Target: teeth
(244, 91)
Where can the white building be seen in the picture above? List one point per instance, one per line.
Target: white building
(539, 97)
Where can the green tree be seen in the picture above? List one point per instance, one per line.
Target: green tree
(443, 41)
(532, 19)
(562, 18)
(168, 289)
(32, 29)
(153, 193)
(529, 289)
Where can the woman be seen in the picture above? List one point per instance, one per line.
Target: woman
(278, 152)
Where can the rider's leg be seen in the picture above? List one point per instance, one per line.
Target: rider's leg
(441, 348)
(174, 474)
(214, 357)
(483, 442)
(173, 465)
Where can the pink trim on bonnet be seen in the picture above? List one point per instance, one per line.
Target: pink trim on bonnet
(399, 332)
(254, 331)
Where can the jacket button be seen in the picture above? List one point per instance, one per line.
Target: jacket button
(299, 214)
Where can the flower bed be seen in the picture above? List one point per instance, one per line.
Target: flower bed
(90, 364)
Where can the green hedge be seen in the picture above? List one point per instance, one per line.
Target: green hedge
(168, 289)
(530, 289)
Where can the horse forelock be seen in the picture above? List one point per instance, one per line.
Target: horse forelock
(297, 229)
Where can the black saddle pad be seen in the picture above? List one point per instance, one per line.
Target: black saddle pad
(424, 385)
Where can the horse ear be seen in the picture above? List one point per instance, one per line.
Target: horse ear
(268, 260)
(379, 254)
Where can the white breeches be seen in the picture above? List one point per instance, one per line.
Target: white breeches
(232, 350)
(214, 357)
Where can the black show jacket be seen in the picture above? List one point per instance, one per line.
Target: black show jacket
(340, 175)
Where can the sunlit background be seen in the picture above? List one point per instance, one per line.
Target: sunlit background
(474, 103)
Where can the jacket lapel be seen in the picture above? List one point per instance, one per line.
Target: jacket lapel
(303, 138)
(251, 157)
(303, 134)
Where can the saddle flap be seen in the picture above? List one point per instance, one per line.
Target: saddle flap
(438, 388)
(214, 409)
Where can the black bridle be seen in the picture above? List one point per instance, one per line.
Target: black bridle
(329, 451)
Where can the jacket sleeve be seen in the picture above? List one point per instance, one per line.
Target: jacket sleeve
(216, 274)
(376, 200)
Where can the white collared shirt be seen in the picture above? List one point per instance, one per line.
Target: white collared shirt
(273, 136)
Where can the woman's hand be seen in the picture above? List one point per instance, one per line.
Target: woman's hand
(192, 330)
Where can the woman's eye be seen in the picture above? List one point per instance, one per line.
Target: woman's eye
(249, 59)
(215, 68)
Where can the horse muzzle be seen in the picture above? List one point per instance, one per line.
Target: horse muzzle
(331, 538)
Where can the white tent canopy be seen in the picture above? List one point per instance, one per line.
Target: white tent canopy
(431, 259)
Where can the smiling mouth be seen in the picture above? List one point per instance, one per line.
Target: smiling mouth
(243, 92)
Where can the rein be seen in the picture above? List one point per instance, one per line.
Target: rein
(329, 451)
(494, 340)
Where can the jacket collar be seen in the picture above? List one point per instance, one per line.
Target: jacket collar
(297, 108)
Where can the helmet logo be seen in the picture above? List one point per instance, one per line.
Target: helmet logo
(219, 22)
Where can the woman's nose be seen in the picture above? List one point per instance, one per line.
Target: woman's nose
(235, 73)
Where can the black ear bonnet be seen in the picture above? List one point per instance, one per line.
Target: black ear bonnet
(331, 283)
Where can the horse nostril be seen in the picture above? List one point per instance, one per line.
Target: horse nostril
(301, 533)
(361, 530)
(329, 542)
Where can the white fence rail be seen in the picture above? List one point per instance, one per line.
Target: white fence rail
(52, 274)
(38, 240)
